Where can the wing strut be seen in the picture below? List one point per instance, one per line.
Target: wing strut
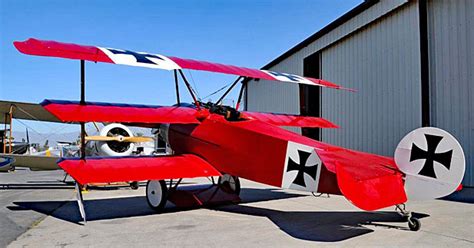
(242, 88)
(190, 89)
(177, 87)
(80, 202)
(83, 102)
(228, 90)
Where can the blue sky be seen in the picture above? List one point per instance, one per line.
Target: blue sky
(247, 33)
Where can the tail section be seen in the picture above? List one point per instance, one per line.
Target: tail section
(433, 162)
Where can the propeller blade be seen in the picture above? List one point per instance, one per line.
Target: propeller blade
(136, 139)
(102, 138)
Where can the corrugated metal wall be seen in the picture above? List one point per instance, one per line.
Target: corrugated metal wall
(264, 96)
(284, 98)
(382, 62)
(377, 52)
(451, 39)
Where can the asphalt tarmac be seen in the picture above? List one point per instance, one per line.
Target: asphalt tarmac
(38, 210)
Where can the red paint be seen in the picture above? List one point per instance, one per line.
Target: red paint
(93, 53)
(256, 150)
(371, 187)
(208, 145)
(61, 50)
(253, 149)
(107, 170)
(290, 120)
(75, 112)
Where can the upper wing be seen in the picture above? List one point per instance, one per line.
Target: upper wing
(72, 111)
(26, 111)
(369, 181)
(122, 169)
(290, 120)
(157, 61)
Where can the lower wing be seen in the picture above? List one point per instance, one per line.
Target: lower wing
(122, 169)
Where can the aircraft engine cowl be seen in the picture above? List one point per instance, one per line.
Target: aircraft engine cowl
(114, 148)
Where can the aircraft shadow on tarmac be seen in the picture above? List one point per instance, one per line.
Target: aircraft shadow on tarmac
(58, 184)
(466, 195)
(322, 226)
(123, 207)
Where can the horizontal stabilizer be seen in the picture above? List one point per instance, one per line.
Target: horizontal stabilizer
(73, 111)
(124, 169)
(290, 120)
(369, 181)
(370, 188)
(156, 61)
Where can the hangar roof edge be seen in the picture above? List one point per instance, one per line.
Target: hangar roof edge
(331, 26)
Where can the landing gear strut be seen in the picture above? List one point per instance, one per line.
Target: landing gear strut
(413, 223)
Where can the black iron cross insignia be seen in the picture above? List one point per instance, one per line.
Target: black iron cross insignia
(430, 156)
(302, 169)
(140, 57)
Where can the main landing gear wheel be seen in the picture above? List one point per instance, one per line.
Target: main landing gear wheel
(156, 194)
(414, 224)
(229, 183)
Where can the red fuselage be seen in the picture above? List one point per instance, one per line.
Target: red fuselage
(250, 149)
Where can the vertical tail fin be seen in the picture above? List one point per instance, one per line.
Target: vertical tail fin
(433, 162)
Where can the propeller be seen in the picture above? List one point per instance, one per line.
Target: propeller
(119, 138)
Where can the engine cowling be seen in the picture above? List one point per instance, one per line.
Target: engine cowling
(112, 148)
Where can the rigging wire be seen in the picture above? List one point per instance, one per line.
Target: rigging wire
(219, 90)
(194, 84)
(34, 117)
(55, 130)
(45, 137)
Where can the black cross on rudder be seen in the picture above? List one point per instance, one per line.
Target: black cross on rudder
(431, 156)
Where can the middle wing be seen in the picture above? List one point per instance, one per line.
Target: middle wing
(133, 114)
(290, 120)
(123, 169)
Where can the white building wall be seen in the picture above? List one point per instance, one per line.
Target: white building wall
(382, 62)
(451, 39)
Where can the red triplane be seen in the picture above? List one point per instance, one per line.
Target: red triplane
(210, 139)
